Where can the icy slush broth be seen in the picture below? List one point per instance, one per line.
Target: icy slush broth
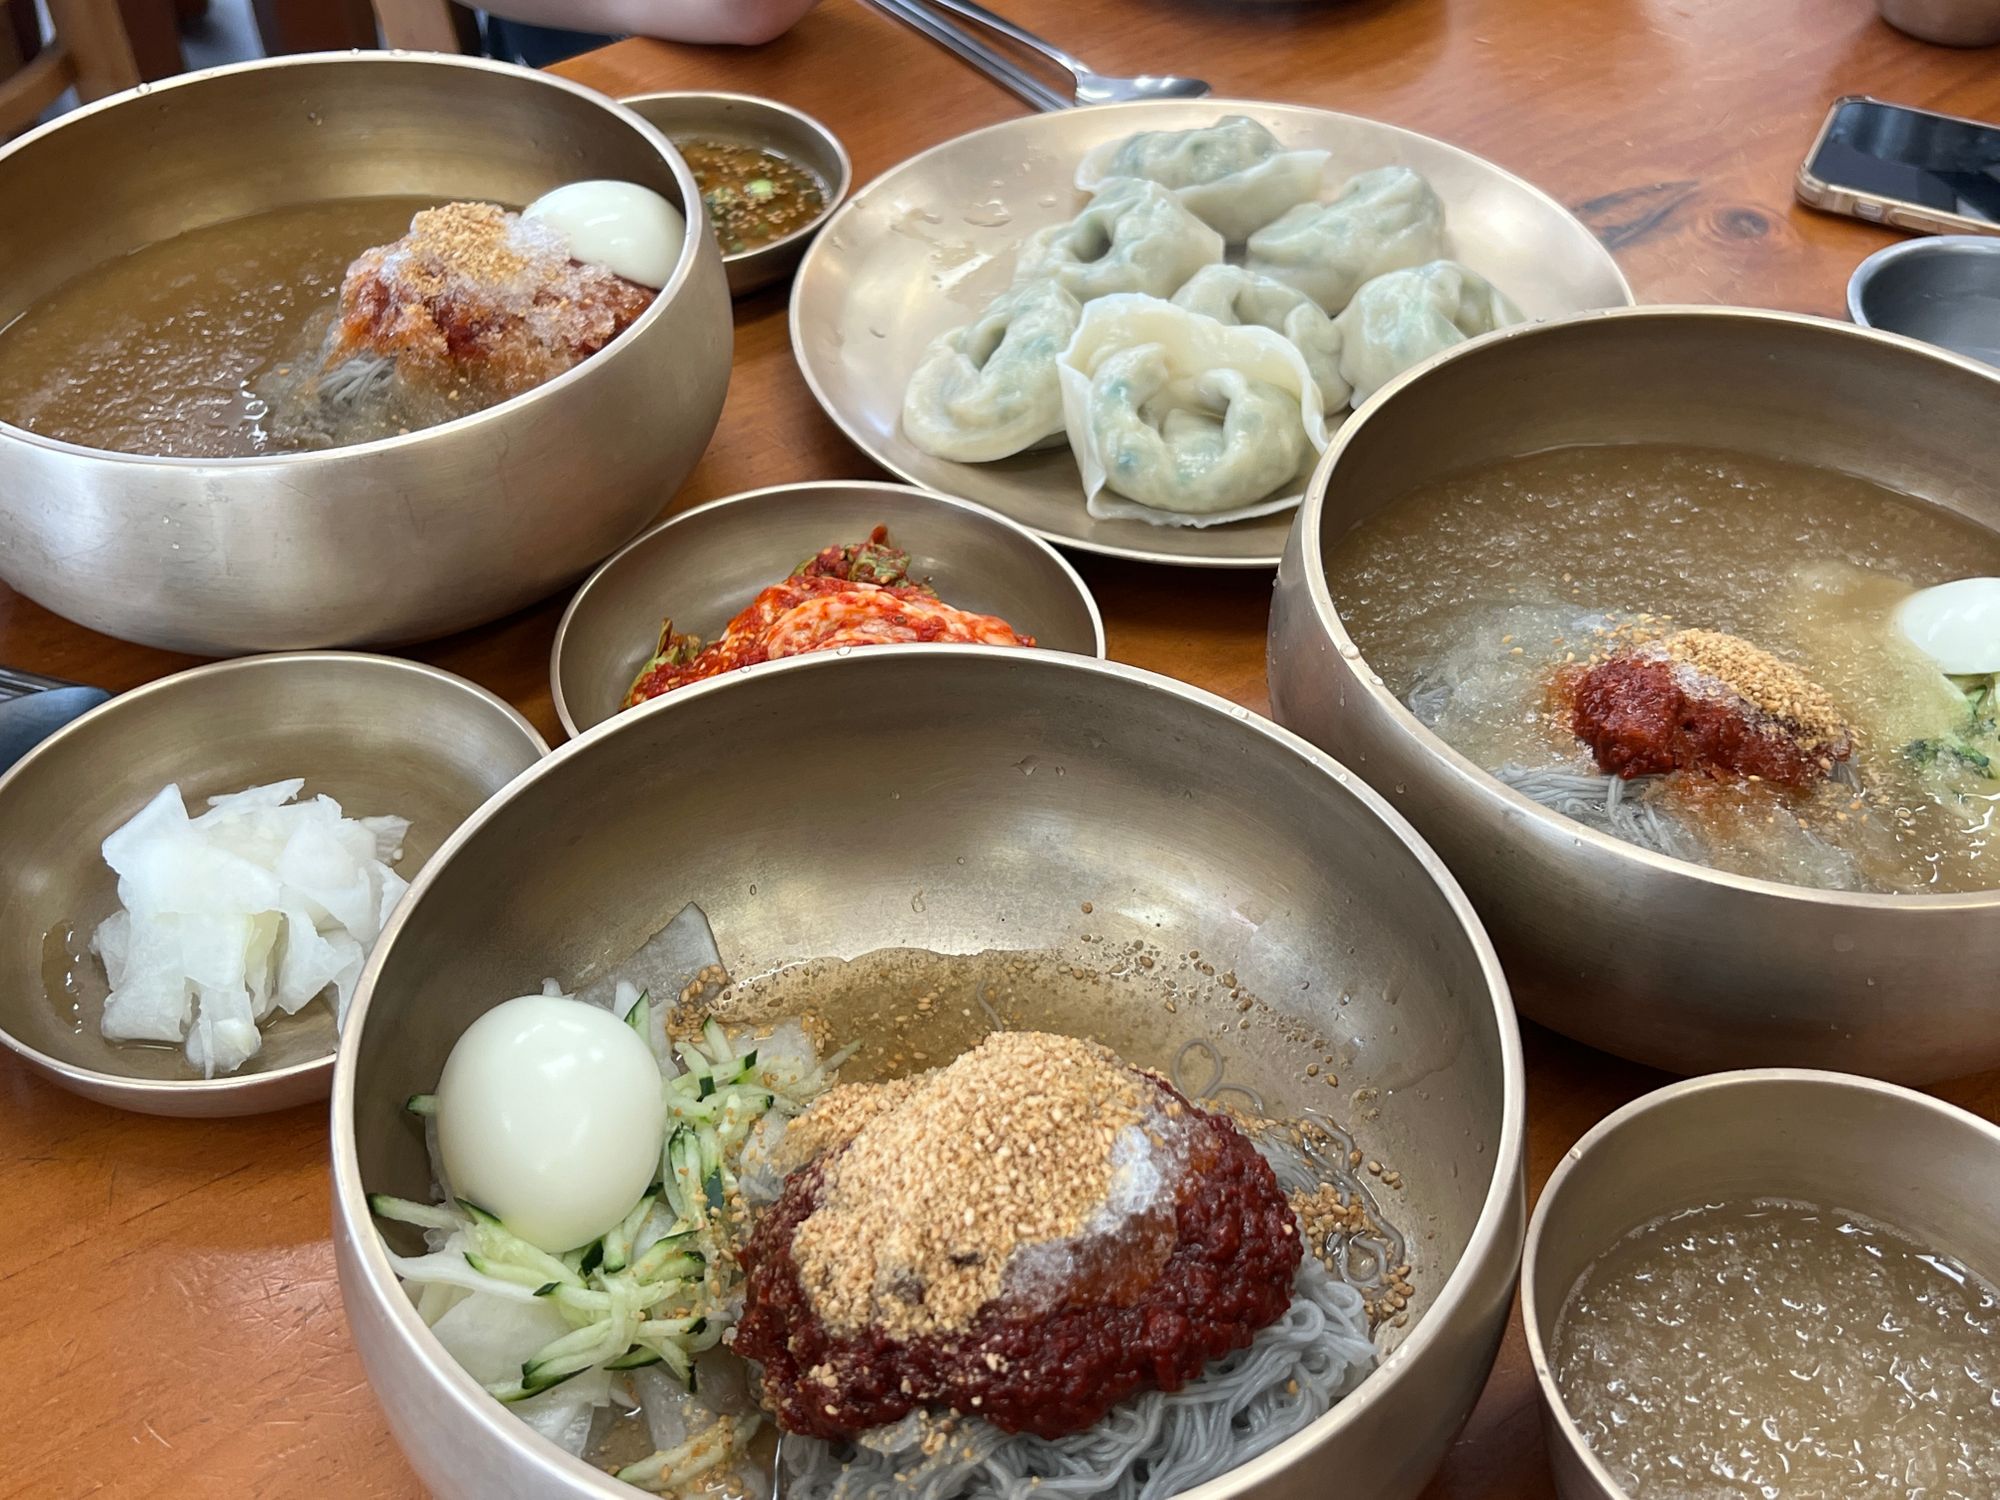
(1772, 1349)
(1467, 594)
(178, 348)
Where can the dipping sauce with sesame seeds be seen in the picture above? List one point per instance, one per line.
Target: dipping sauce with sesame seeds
(1695, 651)
(753, 196)
(1776, 1350)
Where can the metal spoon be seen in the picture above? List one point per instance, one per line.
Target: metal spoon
(1092, 87)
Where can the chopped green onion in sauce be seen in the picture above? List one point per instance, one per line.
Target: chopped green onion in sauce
(753, 196)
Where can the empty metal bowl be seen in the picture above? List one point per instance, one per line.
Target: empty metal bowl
(396, 540)
(377, 734)
(1664, 961)
(962, 801)
(746, 120)
(1944, 290)
(704, 565)
(1901, 1158)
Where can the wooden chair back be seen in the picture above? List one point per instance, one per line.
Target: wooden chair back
(89, 53)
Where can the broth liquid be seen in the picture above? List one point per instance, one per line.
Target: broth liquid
(1770, 1349)
(176, 348)
(1467, 594)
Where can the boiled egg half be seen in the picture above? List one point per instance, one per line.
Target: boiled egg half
(629, 230)
(550, 1115)
(1956, 624)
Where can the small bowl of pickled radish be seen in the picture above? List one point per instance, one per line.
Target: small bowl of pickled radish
(770, 176)
(198, 868)
(1772, 1282)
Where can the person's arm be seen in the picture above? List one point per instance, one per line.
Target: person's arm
(745, 22)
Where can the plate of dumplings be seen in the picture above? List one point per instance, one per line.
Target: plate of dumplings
(1135, 328)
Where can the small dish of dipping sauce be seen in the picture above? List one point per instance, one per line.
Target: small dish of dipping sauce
(769, 175)
(753, 196)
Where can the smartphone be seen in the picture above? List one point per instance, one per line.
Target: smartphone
(1909, 168)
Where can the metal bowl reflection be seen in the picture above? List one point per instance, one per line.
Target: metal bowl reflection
(1657, 959)
(962, 801)
(377, 734)
(397, 540)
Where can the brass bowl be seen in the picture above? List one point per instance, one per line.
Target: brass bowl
(397, 540)
(746, 120)
(913, 796)
(377, 734)
(705, 564)
(1666, 962)
(1899, 1157)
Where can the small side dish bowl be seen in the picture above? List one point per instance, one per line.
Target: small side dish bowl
(705, 564)
(746, 120)
(1888, 1153)
(377, 734)
(1943, 289)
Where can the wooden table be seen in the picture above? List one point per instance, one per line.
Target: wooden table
(167, 1301)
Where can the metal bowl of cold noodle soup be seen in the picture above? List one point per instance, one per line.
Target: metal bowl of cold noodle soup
(1770, 1282)
(1730, 511)
(905, 851)
(173, 468)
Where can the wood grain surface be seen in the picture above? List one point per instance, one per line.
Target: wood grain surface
(167, 1301)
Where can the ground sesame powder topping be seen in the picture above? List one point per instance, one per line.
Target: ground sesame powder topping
(1776, 687)
(1010, 1145)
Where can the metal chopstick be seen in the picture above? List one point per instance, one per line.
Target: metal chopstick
(955, 38)
(18, 684)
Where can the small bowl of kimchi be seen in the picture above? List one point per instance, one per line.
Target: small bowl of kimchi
(828, 565)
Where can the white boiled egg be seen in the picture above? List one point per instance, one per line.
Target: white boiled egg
(550, 1115)
(629, 230)
(1956, 624)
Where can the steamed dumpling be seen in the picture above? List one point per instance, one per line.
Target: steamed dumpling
(1197, 421)
(1403, 318)
(989, 390)
(1134, 236)
(1382, 221)
(1234, 175)
(1230, 294)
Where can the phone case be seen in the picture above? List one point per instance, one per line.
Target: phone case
(1872, 207)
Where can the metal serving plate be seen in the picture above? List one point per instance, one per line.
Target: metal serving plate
(926, 245)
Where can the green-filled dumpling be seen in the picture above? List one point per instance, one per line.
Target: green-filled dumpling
(1191, 421)
(1234, 175)
(1382, 221)
(989, 390)
(1134, 236)
(1403, 318)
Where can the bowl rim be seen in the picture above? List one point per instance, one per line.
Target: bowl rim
(1487, 788)
(693, 211)
(863, 440)
(103, 1084)
(1666, 1097)
(836, 192)
(877, 486)
(1923, 247)
(354, 1229)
